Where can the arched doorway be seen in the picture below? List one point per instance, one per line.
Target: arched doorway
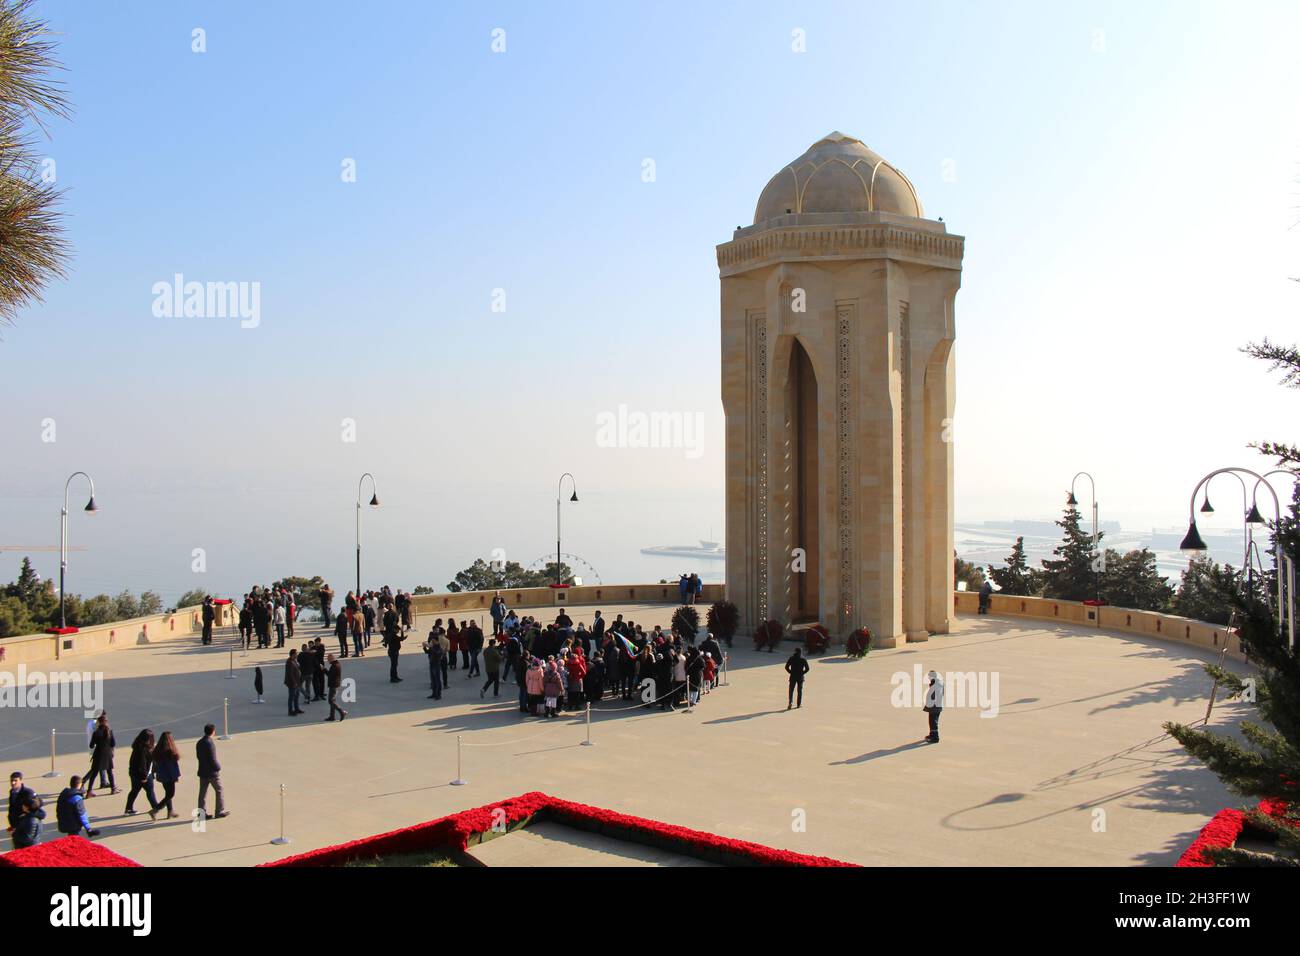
(801, 406)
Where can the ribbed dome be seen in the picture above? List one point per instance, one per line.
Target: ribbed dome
(838, 174)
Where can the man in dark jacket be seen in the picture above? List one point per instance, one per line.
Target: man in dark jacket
(209, 614)
(710, 645)
(19, 794)
(392, 641)
(71, 810)
(27, 828)
(474, 643)
(210, 772)
(796, 667)
(293, 681)
(334, 678)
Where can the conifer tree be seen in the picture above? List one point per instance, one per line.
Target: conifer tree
(1070, 575)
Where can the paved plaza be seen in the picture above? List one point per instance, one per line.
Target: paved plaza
(1077, 730)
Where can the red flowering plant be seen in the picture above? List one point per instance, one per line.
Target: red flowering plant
(768, 635)
(816, 638)
(455, 833)
(1271, 820)
(858, 644)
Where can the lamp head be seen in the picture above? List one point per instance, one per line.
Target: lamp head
(1206, 507)
(575, 495)
(374, 501)
(91, 506)
(1253, 516)
(1192, 540)
(1071, 501)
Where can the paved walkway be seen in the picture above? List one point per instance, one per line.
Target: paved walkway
(553, 844)
(1073, 769)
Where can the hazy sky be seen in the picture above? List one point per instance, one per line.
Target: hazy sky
(1127, 177)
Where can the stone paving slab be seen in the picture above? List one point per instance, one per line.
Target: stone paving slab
(1078, 730)
(554, 844)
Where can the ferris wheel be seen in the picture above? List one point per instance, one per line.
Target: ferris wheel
(575, 561)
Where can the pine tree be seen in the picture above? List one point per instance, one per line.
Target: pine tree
(1200, 592)
(1070, 576)
(1017, 577)
(1267, 764)
(1133, 580)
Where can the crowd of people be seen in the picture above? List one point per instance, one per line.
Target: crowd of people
(562, 666)
(152, 761)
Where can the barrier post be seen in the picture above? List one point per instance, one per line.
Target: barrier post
(587, 742)
(225, 719)
(53, 772)
(231, 675)
(725, 655)
(459, 781)
(281, 840)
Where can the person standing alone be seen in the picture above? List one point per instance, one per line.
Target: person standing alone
(393, 641)
(334, 678)
(797, 667)
(934, 705)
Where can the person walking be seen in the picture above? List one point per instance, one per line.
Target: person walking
(209, 614)
(209, 773)
(70, 811)
(934, 705)
(334, 680)
(797, 667)
(492, 663)
(102, 743)
(293, 681)
(140, 771)
(167, 768)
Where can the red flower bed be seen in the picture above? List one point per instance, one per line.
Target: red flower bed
(457, 831)
(67, 851)
(1223, 830)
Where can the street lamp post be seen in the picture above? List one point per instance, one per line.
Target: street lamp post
(1098, 558)
(1247, 534)
(91, 507)
(559, 578)
(1193, 541)
(374, 503)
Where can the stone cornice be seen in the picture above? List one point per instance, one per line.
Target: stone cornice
(782, 241)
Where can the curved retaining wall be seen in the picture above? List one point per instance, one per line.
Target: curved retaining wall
(29, 648)
(1167, 627)
(587, 594)
(185, 622)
